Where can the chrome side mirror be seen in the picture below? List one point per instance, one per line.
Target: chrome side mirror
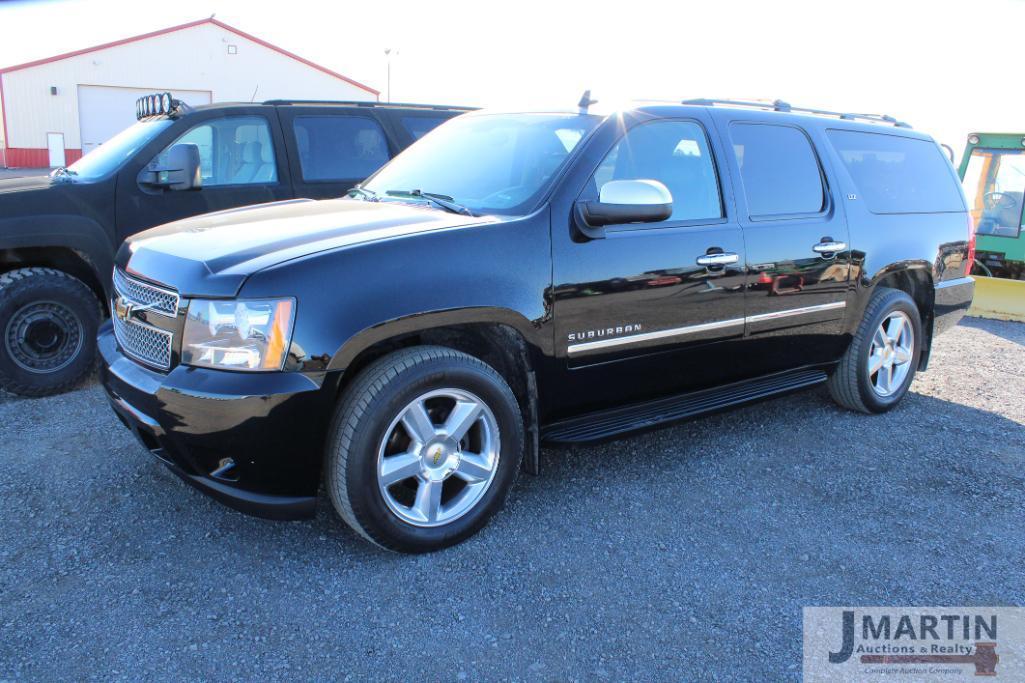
(624, 201)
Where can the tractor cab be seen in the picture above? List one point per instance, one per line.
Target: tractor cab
(993, 173)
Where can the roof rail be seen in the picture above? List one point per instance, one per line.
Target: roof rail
(781, 106)
(370, 104)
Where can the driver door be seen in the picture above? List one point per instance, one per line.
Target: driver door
(638, 313)
(241, 163)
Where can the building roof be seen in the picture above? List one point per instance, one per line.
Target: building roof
(182, 27)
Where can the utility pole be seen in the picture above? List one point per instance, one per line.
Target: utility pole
(388, 52)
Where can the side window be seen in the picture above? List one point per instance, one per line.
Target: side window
(339, 147)
(419, 126)
(232, 151)
(674, 153)
(897, 174)
(779, 170)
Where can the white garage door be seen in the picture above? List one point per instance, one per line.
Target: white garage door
(105, 111)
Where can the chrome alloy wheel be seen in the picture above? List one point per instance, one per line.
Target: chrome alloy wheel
(438, 457)
(889, 357)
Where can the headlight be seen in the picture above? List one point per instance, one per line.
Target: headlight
(240, 334)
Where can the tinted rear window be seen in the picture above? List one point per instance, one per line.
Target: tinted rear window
(895, 174)
(779, 169)
(419, 126)
(339, 147)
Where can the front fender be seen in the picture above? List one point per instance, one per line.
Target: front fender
(422, 322)
(350, 299)
(82, 234)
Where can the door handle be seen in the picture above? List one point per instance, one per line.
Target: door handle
(829, 247)
(717, 260)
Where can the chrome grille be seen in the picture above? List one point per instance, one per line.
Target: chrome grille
(139, 340)
(141, 294)
(144, 343)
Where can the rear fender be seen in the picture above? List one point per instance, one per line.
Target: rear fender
(913, 277)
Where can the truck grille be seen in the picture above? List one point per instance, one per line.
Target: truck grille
(146, 344)
(139, 293)
(139, 340)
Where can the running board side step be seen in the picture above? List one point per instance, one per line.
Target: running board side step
(606, 424)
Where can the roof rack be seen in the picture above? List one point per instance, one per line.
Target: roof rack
(781, 106)
(371, 104)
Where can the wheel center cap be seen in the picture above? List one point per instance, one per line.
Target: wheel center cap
(438, 460)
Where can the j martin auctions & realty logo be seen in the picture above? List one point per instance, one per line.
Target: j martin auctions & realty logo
(913, 643)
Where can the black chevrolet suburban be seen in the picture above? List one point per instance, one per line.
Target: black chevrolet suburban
(515, 279)
(59, 234)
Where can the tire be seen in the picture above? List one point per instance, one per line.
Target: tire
(853, 385)
(368, 431)
(48, 323)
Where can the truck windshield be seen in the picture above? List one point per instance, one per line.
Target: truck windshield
(490, 163)
(994, 183)
(109, 156)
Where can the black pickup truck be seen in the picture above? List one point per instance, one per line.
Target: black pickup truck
(519, 278)
(58, 234)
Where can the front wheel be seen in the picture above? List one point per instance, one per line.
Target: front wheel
(424, 447)
(879, 365)
(48, 323)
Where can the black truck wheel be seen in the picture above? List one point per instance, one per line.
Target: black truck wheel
(879, 365)
(424, 447)
(48, 322)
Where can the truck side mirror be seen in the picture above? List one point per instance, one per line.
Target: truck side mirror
(180, 171)
(624, 201)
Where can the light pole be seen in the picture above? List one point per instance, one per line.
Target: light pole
(388, 52)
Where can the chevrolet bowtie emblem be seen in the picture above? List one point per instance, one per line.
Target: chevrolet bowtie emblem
(122, 309)
(437, 456)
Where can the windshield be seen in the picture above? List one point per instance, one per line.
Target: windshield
(490, 164)
(111, 154)
(994, 183)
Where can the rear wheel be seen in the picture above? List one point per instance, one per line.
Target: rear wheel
(48, 323)
(880, 363)
(424, 448)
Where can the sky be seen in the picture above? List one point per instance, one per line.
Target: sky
(948, 68)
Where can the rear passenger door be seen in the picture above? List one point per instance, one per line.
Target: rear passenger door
(410, 125)
(333, 149)
(796, 237)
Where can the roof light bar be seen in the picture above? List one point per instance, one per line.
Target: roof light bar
(158, 104)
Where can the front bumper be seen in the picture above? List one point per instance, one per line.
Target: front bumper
(953, 299)
(253, 441)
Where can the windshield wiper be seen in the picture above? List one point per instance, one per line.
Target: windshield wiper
(442, 200)
(367, 195)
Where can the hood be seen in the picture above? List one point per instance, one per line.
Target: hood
(36, 197)
(39, 182)
(213, 254)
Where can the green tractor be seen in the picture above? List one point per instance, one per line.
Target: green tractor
(993, 173)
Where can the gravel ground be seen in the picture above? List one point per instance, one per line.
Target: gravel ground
(683, 554)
